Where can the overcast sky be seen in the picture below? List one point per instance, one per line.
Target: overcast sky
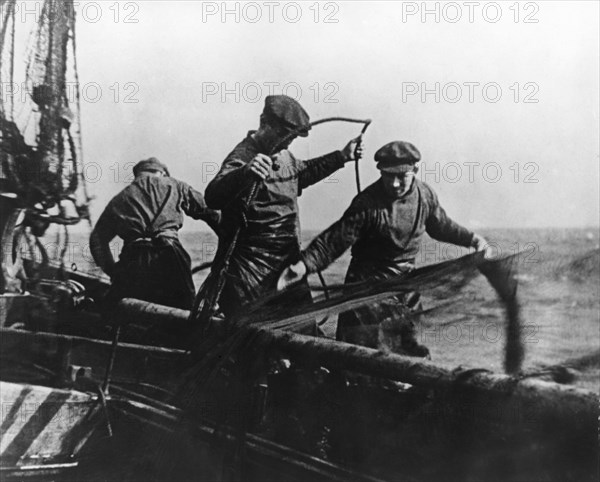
(500, 98)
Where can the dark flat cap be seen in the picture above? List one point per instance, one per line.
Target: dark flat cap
(288, 112)
(151, 164)
(397, 157)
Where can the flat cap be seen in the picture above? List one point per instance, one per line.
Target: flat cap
(288, 112)
(397, 157)
(151, 164)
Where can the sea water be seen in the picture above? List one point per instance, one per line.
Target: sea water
(559, 293)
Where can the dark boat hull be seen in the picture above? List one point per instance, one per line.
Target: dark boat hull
(482, 427)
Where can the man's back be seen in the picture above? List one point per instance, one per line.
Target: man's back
(147, 214)
(151, 205)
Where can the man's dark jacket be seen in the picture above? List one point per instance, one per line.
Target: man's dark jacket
(385, 235)
(153, 265)
(269, 236)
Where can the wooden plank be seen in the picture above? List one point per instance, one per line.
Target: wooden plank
(575, 406)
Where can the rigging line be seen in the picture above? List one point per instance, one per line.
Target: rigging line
(1, 51)
(9, 10)
(81, 177)
(62, 269)
(32, 46)
(25, 108)
(9, 17)
(5, 23)
(12, 65)
(72, 177)
(35, 36)
(28, 122)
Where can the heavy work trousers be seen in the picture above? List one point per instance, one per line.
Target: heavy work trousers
(158, 271)
(363, 325)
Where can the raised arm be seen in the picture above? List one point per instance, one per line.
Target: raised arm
(314, 170)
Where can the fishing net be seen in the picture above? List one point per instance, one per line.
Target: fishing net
(40, 127)
(243, 341)
(444, 283)
(371, 423)
(40, 120)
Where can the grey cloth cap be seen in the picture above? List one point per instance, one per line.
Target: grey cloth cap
(150, 164)
(397, 157)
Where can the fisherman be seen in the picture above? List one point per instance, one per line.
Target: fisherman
(153, 265)
(384, 224)
(257, 189)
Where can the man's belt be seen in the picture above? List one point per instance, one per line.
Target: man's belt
(154, 239)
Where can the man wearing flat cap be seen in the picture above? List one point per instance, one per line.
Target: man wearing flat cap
(384, 225)
(146, 215)
(262, 165)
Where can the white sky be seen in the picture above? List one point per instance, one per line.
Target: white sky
(366, 61)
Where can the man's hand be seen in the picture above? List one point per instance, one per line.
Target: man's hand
(480, 244)
(353, 150)
(260, 166)
(291, 275)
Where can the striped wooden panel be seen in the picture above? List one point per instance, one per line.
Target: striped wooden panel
(42, 425)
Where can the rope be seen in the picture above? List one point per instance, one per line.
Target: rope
(12, 61)
(62, 272)
(80, 165)
(7, 15)
(102, 397)
(366, 123)
(325, 287)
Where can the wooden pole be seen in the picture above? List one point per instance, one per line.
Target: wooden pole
(547, 398)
